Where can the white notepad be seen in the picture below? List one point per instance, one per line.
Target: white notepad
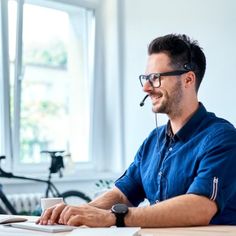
(44, 228)
(110, 231)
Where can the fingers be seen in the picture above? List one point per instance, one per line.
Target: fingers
(56, 213)
(67, 213)
(74, 221)
(43, 220)
(92, 217)
(76, 216)
(51, 215)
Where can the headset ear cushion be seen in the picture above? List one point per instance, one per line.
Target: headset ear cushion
(187, 66)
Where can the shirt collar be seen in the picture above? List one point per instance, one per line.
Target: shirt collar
(185, 132)
(169, 132)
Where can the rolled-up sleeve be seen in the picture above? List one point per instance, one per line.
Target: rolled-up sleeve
(130, 182)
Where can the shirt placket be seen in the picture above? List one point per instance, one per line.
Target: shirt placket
(162, 175)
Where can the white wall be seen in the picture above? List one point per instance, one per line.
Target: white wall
(210, 22)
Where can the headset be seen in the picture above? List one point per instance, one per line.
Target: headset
(190, 65)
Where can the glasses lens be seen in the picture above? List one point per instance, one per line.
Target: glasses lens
(142, 79)
(154, 79)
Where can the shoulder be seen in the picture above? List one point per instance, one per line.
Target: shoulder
(218, 125)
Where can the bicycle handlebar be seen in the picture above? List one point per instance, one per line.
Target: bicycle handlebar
(2, 157)
(5, 174)
(2, 172)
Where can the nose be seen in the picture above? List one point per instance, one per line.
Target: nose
(147, 87)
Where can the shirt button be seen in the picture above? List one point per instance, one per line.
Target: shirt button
(160, 173)
(170, 149)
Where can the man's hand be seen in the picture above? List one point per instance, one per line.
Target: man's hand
(86, 215)
(51, 215)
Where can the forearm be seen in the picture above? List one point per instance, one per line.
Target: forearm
(106, 200)
(185, 210)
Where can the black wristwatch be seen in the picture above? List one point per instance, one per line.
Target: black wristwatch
(120, 210)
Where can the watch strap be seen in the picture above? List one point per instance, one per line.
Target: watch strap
(120, 220)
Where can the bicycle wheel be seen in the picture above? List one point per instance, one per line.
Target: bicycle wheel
(74, 197)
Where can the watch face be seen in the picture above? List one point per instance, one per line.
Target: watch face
(120, 208)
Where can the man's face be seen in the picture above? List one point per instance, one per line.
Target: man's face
(167, 98)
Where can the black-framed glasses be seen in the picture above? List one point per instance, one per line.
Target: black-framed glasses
(155, 78)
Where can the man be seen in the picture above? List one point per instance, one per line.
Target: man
(185, 168)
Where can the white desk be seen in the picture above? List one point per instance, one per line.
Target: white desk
(221, 230)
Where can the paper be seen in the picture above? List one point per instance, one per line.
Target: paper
(5, 219)
(44, 228)
(112, 231)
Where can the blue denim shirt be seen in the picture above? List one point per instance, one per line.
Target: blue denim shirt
(199, 159)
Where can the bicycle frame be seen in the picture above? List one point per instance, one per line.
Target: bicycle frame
(50, 188)
(6, 202)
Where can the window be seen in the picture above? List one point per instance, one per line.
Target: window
(51, 70)
(51, 98)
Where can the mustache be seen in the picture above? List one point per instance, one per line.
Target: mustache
(156, 94)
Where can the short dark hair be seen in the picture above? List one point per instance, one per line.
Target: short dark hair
(183, 52)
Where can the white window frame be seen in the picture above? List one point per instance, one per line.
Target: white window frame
(18, 75)
(5, 121)
(107, 146)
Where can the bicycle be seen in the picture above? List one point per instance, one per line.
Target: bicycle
(56, 166)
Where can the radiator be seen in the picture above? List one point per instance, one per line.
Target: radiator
(25, 204)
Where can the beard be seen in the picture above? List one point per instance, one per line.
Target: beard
(168, 102)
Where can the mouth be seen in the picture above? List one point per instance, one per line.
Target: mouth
(156, 97)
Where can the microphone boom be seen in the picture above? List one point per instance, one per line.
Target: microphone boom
(142, 102)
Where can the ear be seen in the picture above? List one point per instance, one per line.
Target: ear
(189, 79)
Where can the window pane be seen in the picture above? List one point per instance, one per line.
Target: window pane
(55, 93)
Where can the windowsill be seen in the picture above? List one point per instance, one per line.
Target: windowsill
(83, 176)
